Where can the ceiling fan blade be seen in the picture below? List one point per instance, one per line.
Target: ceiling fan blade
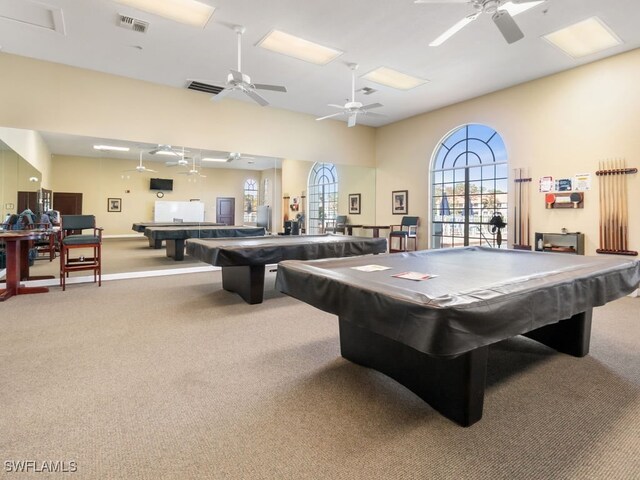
(236, 75)
(341, 107)
(329, 116)
(275, 88)
(372, 114)
(352, 120)
(455, 29)
(507, 26)
(221, 94)
(371, 105)
(257, 98)
(524, 1)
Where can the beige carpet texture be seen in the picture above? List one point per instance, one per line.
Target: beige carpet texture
(174, 378)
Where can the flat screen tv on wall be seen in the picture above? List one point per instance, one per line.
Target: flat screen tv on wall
(165, 184)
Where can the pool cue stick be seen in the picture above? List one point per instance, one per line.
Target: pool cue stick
(600, 206)
(527, 200)
(625, 211)
(520, 207)
(606, 205)
(618, 206)
(610, 203)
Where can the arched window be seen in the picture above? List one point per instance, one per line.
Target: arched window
(250, 201)
(469, 178)
(322, 196)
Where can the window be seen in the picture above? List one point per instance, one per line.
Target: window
(469, 179)
(323, 197)
(250, 201)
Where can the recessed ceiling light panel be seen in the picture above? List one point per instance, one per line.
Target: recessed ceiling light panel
(584, 38)
(299, 48)
(189, 12)
(394, 79)
(111, 148)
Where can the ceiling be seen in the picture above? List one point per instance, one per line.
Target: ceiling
(372, 33)
(64, 144)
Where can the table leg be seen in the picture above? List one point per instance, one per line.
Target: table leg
(245, 280)
(175, 249)
(157, 244)
(571, 336)
(14, 261)
(454, 387)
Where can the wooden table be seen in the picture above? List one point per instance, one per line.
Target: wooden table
(17, 254)
(376, 229)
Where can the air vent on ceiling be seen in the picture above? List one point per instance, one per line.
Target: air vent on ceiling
(204, 87)
(367, 90)
(134, 24)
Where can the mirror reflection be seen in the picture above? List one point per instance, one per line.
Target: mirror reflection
(124, 183)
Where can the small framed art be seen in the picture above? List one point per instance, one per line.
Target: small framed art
(114, 205)
(354, 204)
(400, 202)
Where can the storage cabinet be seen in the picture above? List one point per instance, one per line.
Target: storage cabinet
(560, 242)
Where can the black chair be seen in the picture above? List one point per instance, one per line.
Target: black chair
(408, 229)
(339, 224)
(71, 241)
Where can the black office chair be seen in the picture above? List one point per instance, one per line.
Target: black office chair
(339, 224)
(408, 229)
(69, 241)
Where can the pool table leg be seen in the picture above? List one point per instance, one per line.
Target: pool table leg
(157, 244)
(571, 336)
(245, 280)
(175, 249)
(452, 386)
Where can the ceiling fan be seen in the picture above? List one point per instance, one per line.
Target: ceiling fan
(352, 108)
(501, 11)
(193, 171)
(166, 150)
(233, 156)
(182, 161)
(141, 168)
(238, 81)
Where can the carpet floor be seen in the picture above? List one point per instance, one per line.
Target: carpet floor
(175, 378)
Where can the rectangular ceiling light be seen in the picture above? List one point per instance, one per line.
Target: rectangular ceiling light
(34, 14)
(221, 160)
(516, 8)
(111, 148)
(584, 38)
(189, 12)
(394, 79)
(299, 48)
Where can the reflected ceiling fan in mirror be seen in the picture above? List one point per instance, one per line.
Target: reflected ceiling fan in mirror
(182, 161)
(352, 108)
(501, 11)
(141, 168)
(238, 81)
(231, 157)
(193, 172)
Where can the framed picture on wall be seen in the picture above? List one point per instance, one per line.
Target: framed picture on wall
(354, 204)
(114, 205)
(400, 202)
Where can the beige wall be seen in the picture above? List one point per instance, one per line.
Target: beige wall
(559, 125)
(101, 178)
(31, 147)
(351, 179)
(51, 97)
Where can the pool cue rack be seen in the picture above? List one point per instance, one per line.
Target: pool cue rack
(566, 200)
(614, 211)
(521, 212)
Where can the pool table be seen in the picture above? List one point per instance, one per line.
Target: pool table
(432, 335)
(243, 260)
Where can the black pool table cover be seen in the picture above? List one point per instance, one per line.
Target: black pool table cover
(275, 248)
(479, 295)
(184, 232)
(433, 335)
